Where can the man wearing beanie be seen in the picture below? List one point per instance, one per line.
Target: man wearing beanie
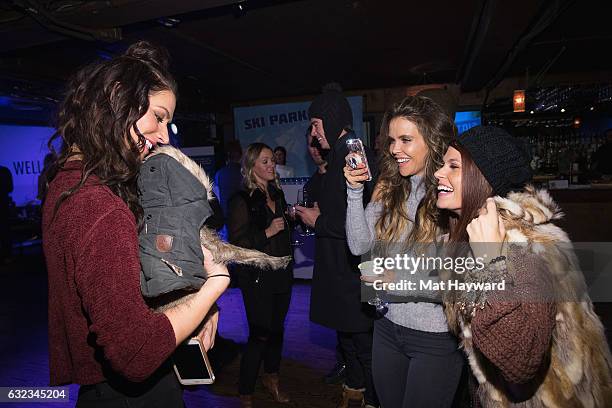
(336, 290)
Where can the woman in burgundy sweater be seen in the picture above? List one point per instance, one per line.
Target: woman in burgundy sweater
(535, 341)
(102, 335)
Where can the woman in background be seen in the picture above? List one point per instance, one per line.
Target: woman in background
(257, 220)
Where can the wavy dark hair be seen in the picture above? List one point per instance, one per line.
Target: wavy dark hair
(437, 129)
(102, 103)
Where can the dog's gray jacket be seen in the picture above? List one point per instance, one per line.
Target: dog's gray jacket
(174, 195)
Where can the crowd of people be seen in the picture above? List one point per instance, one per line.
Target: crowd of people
(538, 343)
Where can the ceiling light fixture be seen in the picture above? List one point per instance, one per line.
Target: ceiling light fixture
(168, 22)
(240, 9)
(518, 101)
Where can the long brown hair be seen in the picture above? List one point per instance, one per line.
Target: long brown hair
(437, 130)
(102, 104)
(475, 189)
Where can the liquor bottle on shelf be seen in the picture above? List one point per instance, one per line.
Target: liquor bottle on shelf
(591, 149)
(564, 156)
(551, 155)
(534, 153)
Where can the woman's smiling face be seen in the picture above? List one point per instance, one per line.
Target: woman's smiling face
(264, 167)
(449, 181)
(153, 125)
(408, 147)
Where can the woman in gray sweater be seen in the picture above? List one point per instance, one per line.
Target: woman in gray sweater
(413, 352)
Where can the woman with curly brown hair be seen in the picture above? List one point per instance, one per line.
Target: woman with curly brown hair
(412, 351)
(102, 335)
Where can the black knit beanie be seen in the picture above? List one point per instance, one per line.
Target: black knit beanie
(501, 158)
(335, 112)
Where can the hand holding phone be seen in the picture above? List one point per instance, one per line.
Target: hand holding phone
(354, 159)
(191, 363)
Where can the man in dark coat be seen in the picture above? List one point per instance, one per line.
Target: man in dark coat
(335, 301)
(337, 375)
(313, 185)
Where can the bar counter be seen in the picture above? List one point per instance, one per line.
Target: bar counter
(588, 212)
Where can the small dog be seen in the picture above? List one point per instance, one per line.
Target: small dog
(222, 252)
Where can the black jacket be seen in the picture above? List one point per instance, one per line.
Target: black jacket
(335, 301)
(313, 186)
(248, 218)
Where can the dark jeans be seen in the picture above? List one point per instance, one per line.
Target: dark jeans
(414, 368)
(162, 390)
(266, 317)
(357, 350)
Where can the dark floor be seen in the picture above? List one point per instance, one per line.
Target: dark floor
(308, 349)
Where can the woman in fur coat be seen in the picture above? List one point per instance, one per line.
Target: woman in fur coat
(529, 329)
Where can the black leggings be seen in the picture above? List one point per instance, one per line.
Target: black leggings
(414, 368)
(162, 390)
(266, 317)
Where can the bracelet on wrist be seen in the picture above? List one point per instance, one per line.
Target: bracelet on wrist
(498, 259)
(219, 275)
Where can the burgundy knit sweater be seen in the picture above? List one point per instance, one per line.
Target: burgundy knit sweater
(97, 316)
(515, 328)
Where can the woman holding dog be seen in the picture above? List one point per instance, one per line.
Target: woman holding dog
(102, 335)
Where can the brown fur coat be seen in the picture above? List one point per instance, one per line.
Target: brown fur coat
(578, 366)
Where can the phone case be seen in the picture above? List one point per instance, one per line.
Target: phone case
(357, 155)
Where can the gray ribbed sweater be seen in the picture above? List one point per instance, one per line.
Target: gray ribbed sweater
(361, 237)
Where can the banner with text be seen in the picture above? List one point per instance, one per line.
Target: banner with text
(22, 151)
(286, 125)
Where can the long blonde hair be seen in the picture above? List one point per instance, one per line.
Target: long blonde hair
(437, 130)
(248, 162)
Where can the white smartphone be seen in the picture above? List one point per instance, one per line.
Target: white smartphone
(191, 363)
(357, 155)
